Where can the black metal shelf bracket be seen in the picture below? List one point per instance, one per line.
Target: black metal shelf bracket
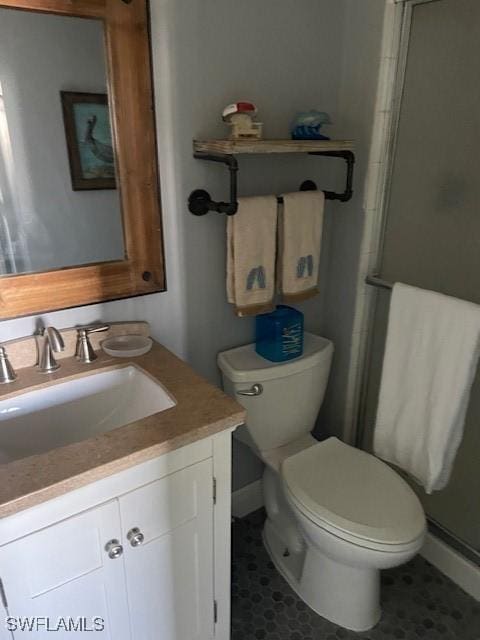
(349, 158)
(200, 202)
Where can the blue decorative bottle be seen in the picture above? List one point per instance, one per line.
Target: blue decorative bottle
(279, 335)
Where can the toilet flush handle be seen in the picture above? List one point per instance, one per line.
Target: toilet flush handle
(255, 390)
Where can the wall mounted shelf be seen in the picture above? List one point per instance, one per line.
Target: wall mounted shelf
(224, 151)
(236, 147)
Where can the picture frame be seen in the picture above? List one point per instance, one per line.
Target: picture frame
(89, 140)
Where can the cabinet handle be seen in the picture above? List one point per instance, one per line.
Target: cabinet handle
(135, 537)
(255, 390)
(114, 549)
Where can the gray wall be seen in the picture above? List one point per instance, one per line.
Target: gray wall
(51, 225)
(217, 53)
(285, 57)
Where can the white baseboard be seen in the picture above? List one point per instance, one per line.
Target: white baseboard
(247, 499)
(452, 564)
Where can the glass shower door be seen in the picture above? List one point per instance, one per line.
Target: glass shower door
(432, 227)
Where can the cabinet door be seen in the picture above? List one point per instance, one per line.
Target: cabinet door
(63, 574)
(170, 574)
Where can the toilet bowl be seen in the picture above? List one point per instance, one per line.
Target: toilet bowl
(357, 516)
(336, 515)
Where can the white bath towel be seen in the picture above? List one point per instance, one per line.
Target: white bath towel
(299, 244)
(251, 250)
(429, 364)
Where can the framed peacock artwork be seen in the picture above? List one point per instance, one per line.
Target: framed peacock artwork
(89, 140)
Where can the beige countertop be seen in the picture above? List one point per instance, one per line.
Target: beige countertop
(201, 410)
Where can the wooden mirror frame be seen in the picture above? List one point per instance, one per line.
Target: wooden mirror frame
(133, 130)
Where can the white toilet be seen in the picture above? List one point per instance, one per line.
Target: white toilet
(335, 514)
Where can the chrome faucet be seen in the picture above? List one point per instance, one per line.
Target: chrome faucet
(49, 341)
(7, 374)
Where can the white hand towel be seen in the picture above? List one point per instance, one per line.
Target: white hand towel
(429, 364)
(300, 239)
(251, 247)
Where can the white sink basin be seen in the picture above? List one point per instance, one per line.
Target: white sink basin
(42, 420)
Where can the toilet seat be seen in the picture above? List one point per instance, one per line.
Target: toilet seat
(353, 495)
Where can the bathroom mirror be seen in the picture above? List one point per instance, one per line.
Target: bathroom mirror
(79, 207)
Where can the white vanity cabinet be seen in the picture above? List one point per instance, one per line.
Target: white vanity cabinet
(149, 562)
(169, 569)
(63, 571)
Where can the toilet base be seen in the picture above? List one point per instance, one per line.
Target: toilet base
(345, 595)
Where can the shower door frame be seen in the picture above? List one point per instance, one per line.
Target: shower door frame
(399, 75)
(398, 84)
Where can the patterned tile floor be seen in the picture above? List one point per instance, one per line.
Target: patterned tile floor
(418, 602)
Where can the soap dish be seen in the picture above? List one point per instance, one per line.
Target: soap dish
(127, 346)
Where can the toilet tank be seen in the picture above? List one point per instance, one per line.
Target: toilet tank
(292, 392)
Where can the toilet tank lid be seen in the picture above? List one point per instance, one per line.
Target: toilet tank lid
(243, 364)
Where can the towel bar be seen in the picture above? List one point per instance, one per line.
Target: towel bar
(375, 281)
(200, 202)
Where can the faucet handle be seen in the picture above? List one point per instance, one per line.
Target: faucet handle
(7, 374)
(84, 351)
(93, 328)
